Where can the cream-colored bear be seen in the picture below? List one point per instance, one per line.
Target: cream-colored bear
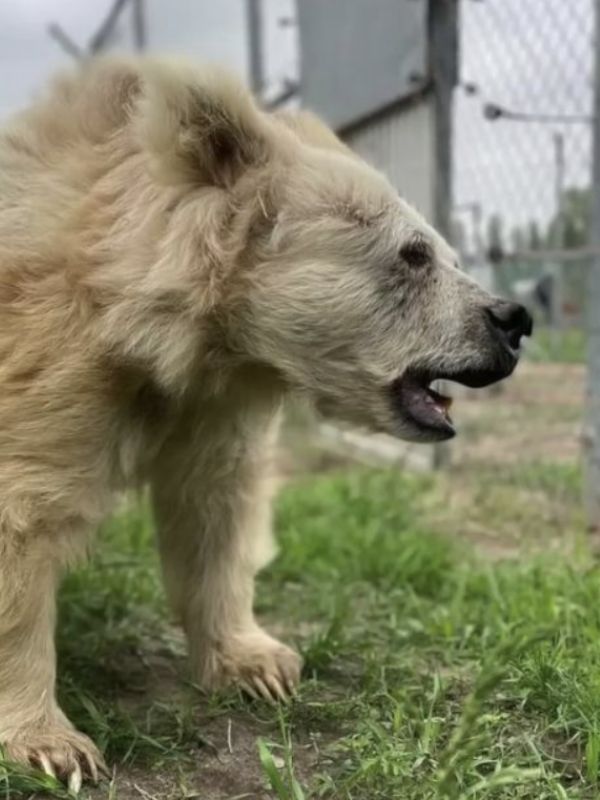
(173, 263)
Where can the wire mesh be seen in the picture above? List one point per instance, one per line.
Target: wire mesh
(522, 174)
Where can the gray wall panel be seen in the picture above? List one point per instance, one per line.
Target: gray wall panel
(359, 55)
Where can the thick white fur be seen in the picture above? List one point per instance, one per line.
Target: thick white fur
(172, 262)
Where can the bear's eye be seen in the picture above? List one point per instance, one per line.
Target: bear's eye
(417, 253)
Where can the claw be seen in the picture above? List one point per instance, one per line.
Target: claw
(246, 687)
(92, 767)
(276, 688)
(291, 687)
(101, 764)
(264, 691)
(75, 779)
(46, 765)
(60, 753)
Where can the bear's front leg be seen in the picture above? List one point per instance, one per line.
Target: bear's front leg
(212, 504)
(33, 729)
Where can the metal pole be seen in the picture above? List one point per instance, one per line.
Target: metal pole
(139, 25)
(591, 438)
(559, 239)
(559, 183)
(443, 60)
(443, 66)
(255, 46)
(65, 41)
(478, 234)
(106, 29)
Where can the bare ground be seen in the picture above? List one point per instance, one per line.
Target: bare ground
(224, 763)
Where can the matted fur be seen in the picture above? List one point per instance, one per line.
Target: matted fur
(173, 261)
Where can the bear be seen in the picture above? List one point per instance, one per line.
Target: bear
(175, 262)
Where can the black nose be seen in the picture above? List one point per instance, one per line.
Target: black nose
(512, 319)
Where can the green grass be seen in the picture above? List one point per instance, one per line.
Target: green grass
(565, 347)
(429, 673)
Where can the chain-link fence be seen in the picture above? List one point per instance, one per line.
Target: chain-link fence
(521, 164)
(522, 188)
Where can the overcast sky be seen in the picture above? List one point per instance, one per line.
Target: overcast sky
(526, 54)
(212, 30)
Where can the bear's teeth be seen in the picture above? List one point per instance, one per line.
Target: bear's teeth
(441, 401)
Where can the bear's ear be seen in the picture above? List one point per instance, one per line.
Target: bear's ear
(309, 128)
(200, 126)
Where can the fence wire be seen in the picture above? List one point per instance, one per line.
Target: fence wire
(522, 176)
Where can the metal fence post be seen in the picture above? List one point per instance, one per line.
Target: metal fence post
(443, 65)
(592, 435)
(255, 46)
(557, 330)
(443, 60)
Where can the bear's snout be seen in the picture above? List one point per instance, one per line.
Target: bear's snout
(511, 322)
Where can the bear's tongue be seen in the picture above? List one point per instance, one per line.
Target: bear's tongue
(426, 406)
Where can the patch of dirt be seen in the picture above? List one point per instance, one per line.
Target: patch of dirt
(226, 767)
(225, 763)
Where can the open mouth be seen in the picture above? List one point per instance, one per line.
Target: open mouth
(427, 409)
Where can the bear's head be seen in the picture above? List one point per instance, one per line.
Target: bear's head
(335, 284)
